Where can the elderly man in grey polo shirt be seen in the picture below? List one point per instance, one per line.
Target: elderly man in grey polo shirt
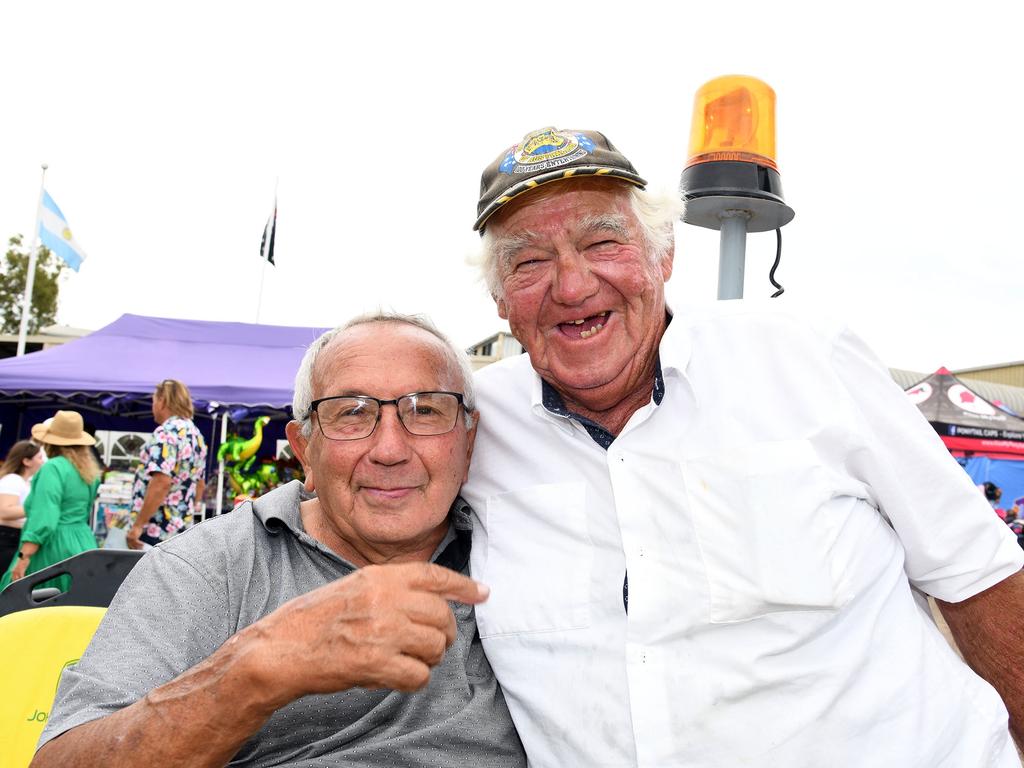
(308, 630)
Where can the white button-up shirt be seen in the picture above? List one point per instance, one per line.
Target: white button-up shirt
(780, 515)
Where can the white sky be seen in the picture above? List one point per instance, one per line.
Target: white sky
(900, 145)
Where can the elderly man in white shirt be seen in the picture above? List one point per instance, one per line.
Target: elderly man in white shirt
(709, 534)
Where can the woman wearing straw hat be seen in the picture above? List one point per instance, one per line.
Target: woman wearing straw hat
(57, 509)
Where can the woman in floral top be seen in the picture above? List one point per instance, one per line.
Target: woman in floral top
(172, 475)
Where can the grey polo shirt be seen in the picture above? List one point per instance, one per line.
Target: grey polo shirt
(194, 591)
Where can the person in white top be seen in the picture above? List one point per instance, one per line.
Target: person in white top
(709, 534)
(23, 460)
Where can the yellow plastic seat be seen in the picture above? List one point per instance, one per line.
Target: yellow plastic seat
(36, 646)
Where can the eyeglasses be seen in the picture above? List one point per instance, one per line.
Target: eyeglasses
(346, 417)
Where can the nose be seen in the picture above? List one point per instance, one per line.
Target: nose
(390, 444)
(573, 281)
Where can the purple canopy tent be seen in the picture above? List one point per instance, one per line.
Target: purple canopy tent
(231, 368)
(231, 364)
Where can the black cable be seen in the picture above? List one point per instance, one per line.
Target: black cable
(778, 258)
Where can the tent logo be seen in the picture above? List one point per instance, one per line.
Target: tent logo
(963, 398)
(919, 393)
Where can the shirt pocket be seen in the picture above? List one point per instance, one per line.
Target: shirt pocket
(763, 527)
(538, 561)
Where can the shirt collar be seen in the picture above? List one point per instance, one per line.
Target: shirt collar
(674, 350)
(552, 402)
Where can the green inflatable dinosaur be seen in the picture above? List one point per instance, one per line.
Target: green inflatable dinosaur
(246, 481)
(237, 449)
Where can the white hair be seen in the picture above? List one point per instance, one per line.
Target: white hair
(458, 365)
(656, 212)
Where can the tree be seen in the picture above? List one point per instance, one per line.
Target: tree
(45, 289)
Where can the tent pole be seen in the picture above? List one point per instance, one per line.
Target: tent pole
(220, 465)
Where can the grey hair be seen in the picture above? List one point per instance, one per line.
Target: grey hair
(657, 214)
(458, 363)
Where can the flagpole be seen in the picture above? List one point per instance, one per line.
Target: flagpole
(30, 277)
(259, 301)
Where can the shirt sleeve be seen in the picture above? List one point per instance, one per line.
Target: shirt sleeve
(955, 547)
(11, 485)
(162, 452)
(165, 619)
(42, 507)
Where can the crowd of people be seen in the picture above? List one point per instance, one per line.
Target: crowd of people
(49, 483)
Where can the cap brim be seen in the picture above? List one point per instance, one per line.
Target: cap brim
(526, 185)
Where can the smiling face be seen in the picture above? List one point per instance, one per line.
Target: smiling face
(384, 497)
(582, 295)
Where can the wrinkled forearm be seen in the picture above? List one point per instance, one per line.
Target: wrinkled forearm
(222, 683)
(987, 628)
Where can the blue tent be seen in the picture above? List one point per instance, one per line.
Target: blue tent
(1006, 473)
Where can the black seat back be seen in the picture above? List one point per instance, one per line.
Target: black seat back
(95, 577)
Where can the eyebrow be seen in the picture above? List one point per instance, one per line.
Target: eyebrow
(508, 246)
(605, 222)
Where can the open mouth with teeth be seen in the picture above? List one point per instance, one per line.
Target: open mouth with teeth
(585, 327)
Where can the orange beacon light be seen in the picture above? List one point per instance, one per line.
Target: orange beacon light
(733, 119)
(731, 179)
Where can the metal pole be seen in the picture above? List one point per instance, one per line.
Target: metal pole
(30, 277)
(259, 301)
(220, 466)
(732, 253)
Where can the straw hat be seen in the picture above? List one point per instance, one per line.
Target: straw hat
(63, 429)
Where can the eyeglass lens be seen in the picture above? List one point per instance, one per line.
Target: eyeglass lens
(423, 413)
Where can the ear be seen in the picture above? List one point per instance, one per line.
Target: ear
(470, 440)
(666, 263)
(300, 444)
(502, 308)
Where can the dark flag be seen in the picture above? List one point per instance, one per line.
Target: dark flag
(267, 246)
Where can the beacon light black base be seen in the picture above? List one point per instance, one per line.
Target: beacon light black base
(713, 187)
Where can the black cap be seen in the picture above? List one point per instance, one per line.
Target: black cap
(548, 155)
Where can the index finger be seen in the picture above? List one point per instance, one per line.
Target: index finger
(448, 584)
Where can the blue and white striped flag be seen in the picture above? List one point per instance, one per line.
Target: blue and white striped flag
(56, 234)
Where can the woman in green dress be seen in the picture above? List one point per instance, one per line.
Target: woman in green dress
(58, 507)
